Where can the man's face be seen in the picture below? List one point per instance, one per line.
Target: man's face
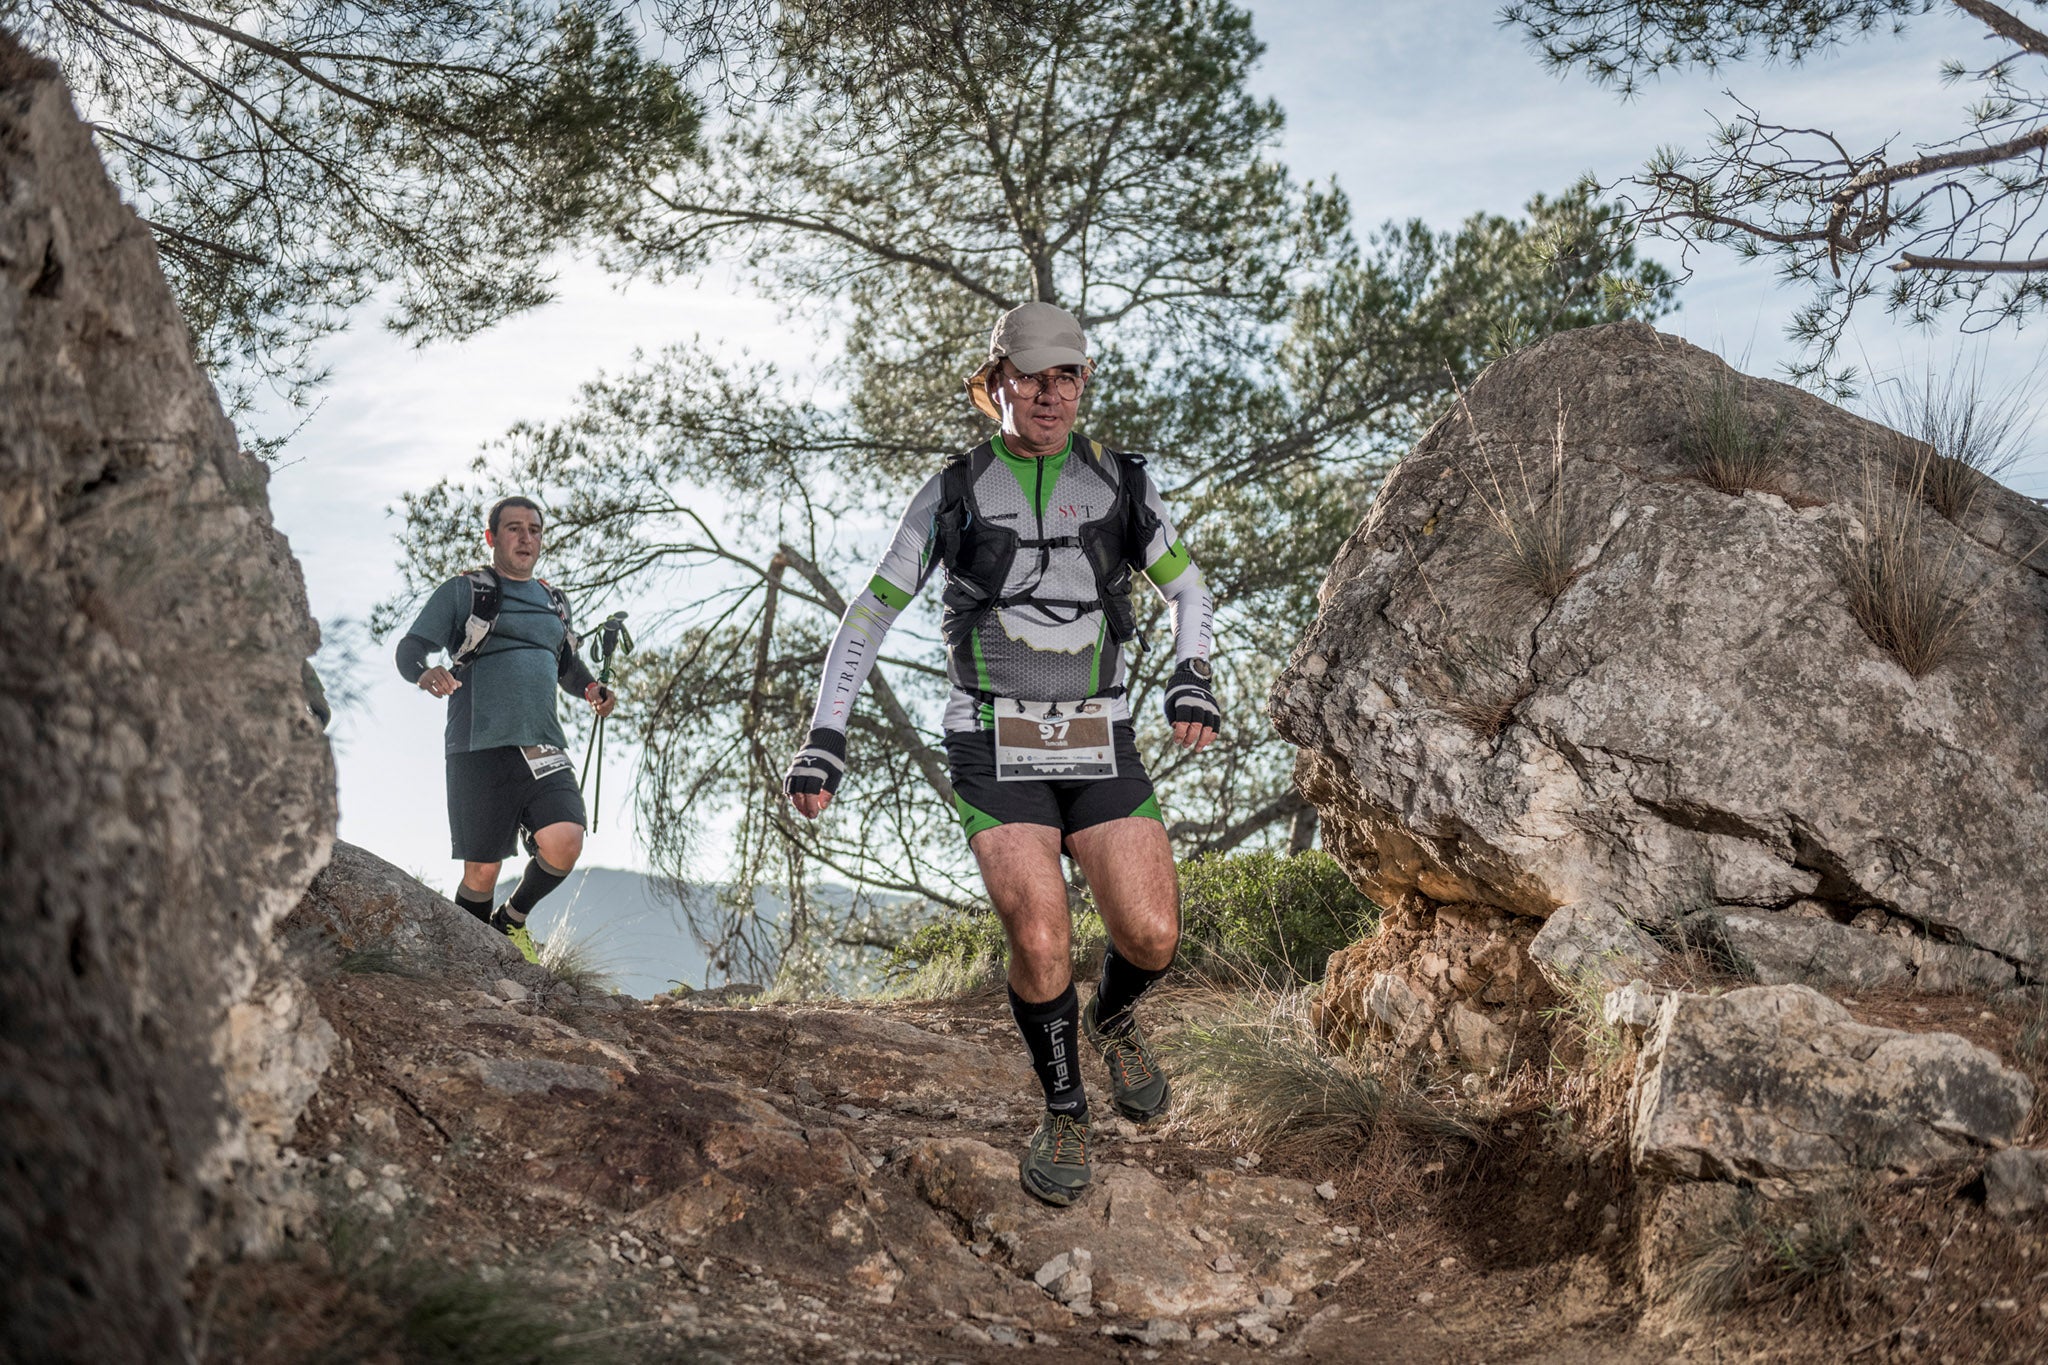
(515, 545)
(1038, 409)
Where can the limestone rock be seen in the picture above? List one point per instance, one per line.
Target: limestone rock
(1592, 939)
(1138, 1233)
(1779, 1083)
(364, 904)
(1634, 1006)
(2016, 1182)
(166, 793)
(1449, 982)
(1780, 947)
(1695, 720)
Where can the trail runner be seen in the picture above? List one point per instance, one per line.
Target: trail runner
(510, 644)
(1039, 530)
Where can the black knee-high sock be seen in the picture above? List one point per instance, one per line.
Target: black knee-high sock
(1122, 983)
(478, 903)
(1049, 1031)
(535, 882)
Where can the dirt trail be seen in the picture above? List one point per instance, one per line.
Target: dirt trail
(838, 1182)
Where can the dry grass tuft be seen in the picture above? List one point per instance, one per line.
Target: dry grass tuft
(1966, 436)
(1479, 684)
(574, 961)
(1580, 1015)
(1908, 583)
(1725, 446)
(1543, 532)
(1265, 1077)
(1764, 1253)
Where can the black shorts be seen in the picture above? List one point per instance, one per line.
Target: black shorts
(983, 803)
(492, 795)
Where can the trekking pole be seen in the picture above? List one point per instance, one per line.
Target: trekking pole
(609, 639)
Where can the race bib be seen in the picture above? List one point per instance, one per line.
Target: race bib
(544, 759)
(1053, 741)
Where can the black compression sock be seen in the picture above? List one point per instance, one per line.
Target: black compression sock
(478, 903)
(535, 882)
(1122, 983)
(1048, 1031)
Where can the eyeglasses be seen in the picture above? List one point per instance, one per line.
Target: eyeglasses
(1061, 384)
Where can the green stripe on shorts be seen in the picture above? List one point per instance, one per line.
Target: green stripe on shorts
(973, 821)
(1148, 809)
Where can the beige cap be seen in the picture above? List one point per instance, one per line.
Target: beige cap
(1033, 337)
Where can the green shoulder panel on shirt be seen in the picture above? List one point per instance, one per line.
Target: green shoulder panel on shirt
(1170, 565)
(893, 597)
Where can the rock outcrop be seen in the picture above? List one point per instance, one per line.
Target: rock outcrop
(364, 905)
(1778, 1085)
(1685, 724)
(165, 794)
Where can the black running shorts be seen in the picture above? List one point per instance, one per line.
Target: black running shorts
(983, 803)
(492, 795)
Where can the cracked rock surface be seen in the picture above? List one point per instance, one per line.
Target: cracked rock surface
(165, 794)
(1695, 726)
(1780, 1084)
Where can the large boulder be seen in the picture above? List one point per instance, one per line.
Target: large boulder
(165, 794)
(1779, 1083)
(1692, 727)
(362, 905)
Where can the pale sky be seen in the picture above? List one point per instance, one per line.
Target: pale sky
(1417, 109)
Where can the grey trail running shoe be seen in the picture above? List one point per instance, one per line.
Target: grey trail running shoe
(1136, 1084)
(1055, 1167)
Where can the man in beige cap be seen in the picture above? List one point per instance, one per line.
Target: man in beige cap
(1040, 530)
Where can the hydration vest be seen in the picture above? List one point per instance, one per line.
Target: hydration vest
(978, 554)
(486, 596)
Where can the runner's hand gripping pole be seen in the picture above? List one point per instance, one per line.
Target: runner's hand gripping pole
(818, 766)
(609, 639)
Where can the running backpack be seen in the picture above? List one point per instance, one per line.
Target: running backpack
(486, 596)
(978, 554)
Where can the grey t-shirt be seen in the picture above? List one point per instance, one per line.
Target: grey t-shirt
(508, 690)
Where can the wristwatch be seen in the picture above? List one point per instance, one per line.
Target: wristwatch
(1200, 668)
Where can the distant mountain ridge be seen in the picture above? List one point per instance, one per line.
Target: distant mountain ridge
(636, 931)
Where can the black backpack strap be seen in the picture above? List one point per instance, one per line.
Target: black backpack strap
(570, 640)
(956, 508)
(486, 596)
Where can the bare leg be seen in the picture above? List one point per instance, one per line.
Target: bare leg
(1020, 865)
(560, 844)
(481, 878)
(1129, 866)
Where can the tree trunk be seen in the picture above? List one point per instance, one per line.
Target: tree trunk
(1301, 836)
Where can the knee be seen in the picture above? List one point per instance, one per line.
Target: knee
(560, 846)
(1150, 941)
(1039, 946)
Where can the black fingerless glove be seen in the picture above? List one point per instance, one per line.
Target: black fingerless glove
(818, 766)
(1188, 696)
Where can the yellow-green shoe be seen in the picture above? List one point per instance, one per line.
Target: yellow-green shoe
(1137, 1086)
(516, 931)
(1055, 1166)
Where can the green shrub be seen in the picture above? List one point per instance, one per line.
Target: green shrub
(1274, 916)
(1265, 916)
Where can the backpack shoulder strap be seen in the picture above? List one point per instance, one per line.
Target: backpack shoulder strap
(1133, 515)
(561, 606)
(956, 503)
(486, 596)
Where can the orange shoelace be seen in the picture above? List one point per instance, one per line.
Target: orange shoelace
(1131, 1063)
